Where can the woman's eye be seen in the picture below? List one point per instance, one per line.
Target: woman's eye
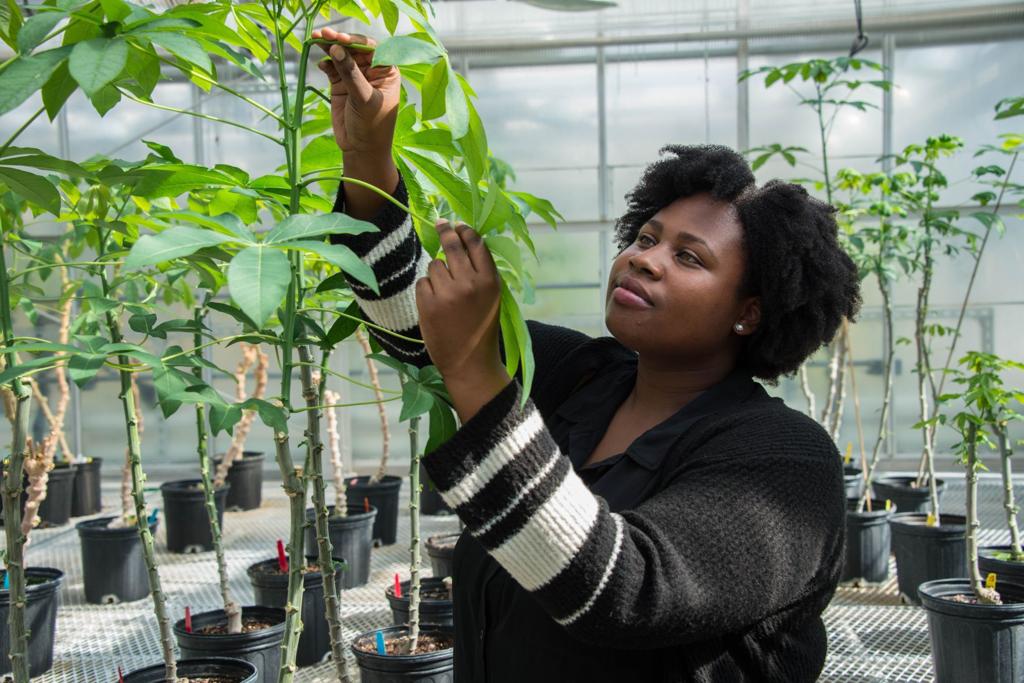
(689, 257)
(644, 240)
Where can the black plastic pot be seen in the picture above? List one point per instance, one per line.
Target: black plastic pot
(905, 497)
(351, 538)
(40, 619)
(55, 509)
(246, 480)
(188, 526)
(434, 612)
(261, 648)
(430, 667)
(1005, 570)
(384, 496)
(431, 502)
(975, 643)
(853, 478)
(87, 497)
(113, 567)
(243, 672)
(441, 555)
(927, 553)
(271, 590)
(868, 540)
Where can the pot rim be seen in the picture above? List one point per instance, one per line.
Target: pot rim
(932, 599)
(429, 629)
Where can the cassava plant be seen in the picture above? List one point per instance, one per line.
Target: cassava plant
(114, 51)
(988, 406)
(1001, 188)
(880, 247)
(827, 88)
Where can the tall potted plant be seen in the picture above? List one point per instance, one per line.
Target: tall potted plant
(929, 544)
(976, 623)
(879, 247)
(830, 85)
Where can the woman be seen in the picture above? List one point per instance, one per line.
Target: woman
(651, 514)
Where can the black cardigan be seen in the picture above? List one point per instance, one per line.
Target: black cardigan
(719, 573)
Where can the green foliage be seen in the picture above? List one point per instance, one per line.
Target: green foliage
(987, 403)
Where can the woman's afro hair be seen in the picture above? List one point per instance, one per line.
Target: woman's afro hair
(806, 283)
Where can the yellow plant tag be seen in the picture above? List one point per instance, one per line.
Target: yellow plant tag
(990, 581)
(931, 519)
(888, 504)
(849, 453)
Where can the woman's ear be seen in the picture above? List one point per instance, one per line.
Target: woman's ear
(750, 317)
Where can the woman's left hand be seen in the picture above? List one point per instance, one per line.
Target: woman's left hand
(459, 305)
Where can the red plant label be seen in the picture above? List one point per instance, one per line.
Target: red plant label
(282, 558)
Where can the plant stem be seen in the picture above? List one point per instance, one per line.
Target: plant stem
(131, 421)
(231, 609)
(323, 538)
(364, 322)
(1016, 553)
(352, 380)
(923, 366)
(14, 136)
(883, 419)
(371, 367)
(974, 273)
(294, 478)
(414, 526)
(198, 115)
(805, 386)
(12, 498)
(984, 595)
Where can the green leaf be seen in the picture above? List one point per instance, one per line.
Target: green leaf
(82, 368)
(13, 372)
(452, 187)
(224, 418)
(431, 139)
(226, 224)
(401, 50)
(33, 158)
(507, 248)
(57, 90)
(344, 327)
(234, 204)
(415, 400)
(343, 258)
(434, 91)
(36, 28)
(25, 75)
(271, 415)
(258, 279)
(304, 226)
(171, 244)
(457, 105)
(171, 180)
(234, 312)
(183, 47)
(95, 63)
(442, 426)
(35, 189)
(516, 337)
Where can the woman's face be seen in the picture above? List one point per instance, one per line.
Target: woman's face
(674, 293)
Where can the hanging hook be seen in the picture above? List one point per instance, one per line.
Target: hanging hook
(861, 41)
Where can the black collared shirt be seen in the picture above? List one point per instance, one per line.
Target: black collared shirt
(500, 629)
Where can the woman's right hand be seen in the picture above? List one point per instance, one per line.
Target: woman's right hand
(364, 98)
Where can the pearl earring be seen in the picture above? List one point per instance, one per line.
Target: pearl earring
(738, 327)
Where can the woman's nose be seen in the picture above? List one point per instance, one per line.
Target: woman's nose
(647, 262)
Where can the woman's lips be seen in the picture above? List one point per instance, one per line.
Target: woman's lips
(624, 297)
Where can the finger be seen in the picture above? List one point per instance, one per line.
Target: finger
(351, 76)
(424, 288)
(454, 251)
(327, 66)
(476, 251)
(438, 272)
